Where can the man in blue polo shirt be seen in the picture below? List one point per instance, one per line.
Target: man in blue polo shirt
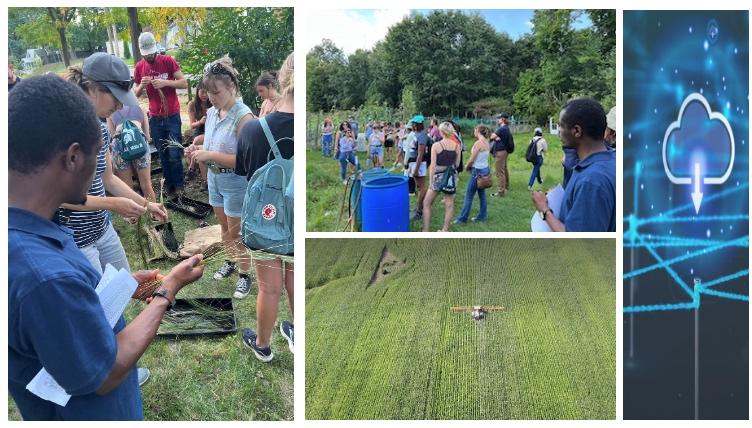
(589, 203)
(502, 141)
(55, 319)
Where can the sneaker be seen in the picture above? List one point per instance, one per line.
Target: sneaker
(417, 217)
(143, 375)
(180, 190)
(263, 354)
(204, 186)
(458, 221)
(477, 219)
(344, 182)
(242, 287)
(287, 330)
(225, 271)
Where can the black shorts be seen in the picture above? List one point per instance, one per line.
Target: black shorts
(389, 141)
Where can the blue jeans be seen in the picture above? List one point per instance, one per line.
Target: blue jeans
(472, 187)
(345, 157)
(326, 145)
(536, 172)
(162, 130)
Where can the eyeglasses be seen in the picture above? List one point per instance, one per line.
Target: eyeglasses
(125, 85)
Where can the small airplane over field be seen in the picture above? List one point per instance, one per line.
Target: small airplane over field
(478, 312)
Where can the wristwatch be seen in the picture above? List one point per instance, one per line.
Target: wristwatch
(543, 213)
(162, 292)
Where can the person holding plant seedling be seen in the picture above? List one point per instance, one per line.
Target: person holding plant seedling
(160, 76)
(55, 318)
(106, 80)
(273, 271)
(226, 189)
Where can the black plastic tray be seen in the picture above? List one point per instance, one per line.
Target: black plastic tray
(225, 314)
(168, 237)
(190, 206)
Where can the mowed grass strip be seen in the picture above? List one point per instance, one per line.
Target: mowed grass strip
(395, 351)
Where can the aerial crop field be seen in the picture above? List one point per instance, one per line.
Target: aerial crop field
(383, 343)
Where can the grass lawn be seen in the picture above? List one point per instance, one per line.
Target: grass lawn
(208, 377)
(511, 213)
(402, 353)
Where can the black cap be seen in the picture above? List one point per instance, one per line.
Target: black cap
(502, 115)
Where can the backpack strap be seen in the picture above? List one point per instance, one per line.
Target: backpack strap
(270, 138)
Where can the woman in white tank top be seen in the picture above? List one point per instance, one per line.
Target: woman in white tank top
(478, 166)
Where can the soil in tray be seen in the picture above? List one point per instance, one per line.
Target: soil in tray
(189, 206)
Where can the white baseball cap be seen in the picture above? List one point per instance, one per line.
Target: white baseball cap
(147, 44)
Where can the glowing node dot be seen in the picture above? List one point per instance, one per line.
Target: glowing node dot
(692, 271)
(700, 90)
(708, 233)
(655, 110)
(728, 104)
(676, 71)
(690, 30)
(651, 206)
(629, 136)
(642, 187)
(705, 45)
(734, 50)
(670, 232)
(723, 78)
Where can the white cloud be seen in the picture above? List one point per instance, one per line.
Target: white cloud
(350, 29)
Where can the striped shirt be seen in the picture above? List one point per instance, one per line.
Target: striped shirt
(88, 226)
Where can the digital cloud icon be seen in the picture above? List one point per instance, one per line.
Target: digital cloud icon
(698, 146)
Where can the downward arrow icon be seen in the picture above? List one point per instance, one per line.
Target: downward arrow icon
(697, 196)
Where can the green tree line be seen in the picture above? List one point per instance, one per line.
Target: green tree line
(454, 63)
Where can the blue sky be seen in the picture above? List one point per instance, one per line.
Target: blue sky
(352, 29)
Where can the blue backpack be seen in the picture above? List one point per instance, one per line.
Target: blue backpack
(267, 221)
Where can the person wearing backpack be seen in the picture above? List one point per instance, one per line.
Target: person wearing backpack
(502, 144)
(272, 273)
(141, 167)
(226, 189)
(445, 159)
(534, 155)
(106, 80)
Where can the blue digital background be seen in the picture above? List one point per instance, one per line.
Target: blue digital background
(667, 56)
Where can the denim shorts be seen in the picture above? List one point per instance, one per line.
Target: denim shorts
(377, 151)
(227, 191)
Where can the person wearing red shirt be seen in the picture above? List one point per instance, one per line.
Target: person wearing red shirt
(160, 76)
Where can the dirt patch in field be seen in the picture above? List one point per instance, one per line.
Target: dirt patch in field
(388, 264)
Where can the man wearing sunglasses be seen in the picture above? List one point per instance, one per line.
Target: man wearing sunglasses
(160, 75)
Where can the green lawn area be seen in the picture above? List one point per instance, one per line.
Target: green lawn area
(208, 378)
(395, 350)
(511, 213)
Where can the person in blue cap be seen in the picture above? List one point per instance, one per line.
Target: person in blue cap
(417, 163)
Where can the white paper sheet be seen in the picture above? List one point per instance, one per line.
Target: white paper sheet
(114, 290)
(555, 197)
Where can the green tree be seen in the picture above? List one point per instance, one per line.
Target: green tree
(324, 63)
(449, 57)
(256, 38)
(355, 78)
(62, 18)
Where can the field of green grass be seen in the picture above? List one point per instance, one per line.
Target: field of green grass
(208, 378)
(512, 213)
(395, 350)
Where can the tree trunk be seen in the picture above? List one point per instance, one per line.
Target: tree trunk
(64, 50)
(135, 33)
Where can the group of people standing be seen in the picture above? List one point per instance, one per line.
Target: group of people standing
(60, 230)
(446, 150)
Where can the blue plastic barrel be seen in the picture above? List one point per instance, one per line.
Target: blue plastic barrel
(356, 201)
(386, 204)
